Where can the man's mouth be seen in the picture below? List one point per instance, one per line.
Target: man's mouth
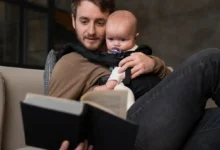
(92, 39)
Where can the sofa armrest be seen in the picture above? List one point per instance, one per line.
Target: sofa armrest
(2, 106)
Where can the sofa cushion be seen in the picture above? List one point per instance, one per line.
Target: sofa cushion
(18, 81)
(29, 148)
(2, 106)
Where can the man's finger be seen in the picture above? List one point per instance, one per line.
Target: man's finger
(125, 60)
(64, 145)
(135, 69)
(85, 147)
(126, 66)
(80, 146)
(90, 147)
(136, 74)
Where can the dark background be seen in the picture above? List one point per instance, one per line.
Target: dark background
(175, 29)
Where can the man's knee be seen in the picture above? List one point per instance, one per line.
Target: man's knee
(209, 52)
(206, 55)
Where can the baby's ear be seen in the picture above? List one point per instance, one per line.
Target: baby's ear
(136, 35)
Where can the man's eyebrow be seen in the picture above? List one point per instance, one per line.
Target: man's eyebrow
(100, 19)
(83, 17)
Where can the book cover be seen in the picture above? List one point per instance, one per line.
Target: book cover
(48, 121)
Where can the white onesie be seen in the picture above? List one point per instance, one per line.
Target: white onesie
(119, 76)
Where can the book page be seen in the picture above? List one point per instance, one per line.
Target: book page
(114, 100)
(58, 104)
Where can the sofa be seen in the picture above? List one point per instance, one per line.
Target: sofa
(14, 84)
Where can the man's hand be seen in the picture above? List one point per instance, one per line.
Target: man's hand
(81, 146)
(64, 145)
(139, 62)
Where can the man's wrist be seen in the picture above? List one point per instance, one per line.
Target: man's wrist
(153, 65)
(160, 68)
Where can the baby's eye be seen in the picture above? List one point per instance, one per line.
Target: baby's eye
(110, 39)
(123, 40)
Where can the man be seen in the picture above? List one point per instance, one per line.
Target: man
(171, 116)
(73, 74)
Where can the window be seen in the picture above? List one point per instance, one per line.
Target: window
(24, 38)
(36, 37)
(30, 28)
(9, 29)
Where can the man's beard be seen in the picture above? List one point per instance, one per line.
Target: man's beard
(101, 47)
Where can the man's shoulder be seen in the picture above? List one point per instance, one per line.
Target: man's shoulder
(71, 58)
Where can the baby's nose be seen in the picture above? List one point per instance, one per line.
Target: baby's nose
(116, 43)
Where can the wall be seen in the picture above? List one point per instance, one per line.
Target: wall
(63, 4)
(176, 29)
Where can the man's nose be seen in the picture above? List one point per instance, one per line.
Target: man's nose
(91, 30)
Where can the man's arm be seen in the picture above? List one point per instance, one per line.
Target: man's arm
(73, 76)
(160, 68)
(65, 80)
(141, 64)
(112, 81)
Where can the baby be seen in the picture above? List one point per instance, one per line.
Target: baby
(121, 34)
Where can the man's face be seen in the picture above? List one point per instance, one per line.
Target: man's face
(90, 24)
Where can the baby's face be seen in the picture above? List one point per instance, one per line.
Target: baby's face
(121, 36)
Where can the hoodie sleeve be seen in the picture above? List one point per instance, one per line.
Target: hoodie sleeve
(160, 67)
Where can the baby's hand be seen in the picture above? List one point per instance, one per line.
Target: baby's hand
(101, 88)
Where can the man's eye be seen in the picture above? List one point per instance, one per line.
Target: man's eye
(101, 23)
(84, 21)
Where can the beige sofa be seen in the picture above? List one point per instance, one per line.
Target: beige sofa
(14, 84)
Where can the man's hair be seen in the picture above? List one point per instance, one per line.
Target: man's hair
(104, 5)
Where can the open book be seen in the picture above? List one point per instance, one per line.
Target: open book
(99, 117)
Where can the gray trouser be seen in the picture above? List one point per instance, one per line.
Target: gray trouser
(172, 116)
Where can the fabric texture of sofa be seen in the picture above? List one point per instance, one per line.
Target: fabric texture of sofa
(14, 84)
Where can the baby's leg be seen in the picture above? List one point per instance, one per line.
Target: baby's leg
(110, 85)
(130, 98)
(101, 88)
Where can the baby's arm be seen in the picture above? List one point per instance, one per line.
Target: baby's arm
(113, 80)
(115, 75)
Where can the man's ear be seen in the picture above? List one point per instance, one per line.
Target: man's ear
(73, 22)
